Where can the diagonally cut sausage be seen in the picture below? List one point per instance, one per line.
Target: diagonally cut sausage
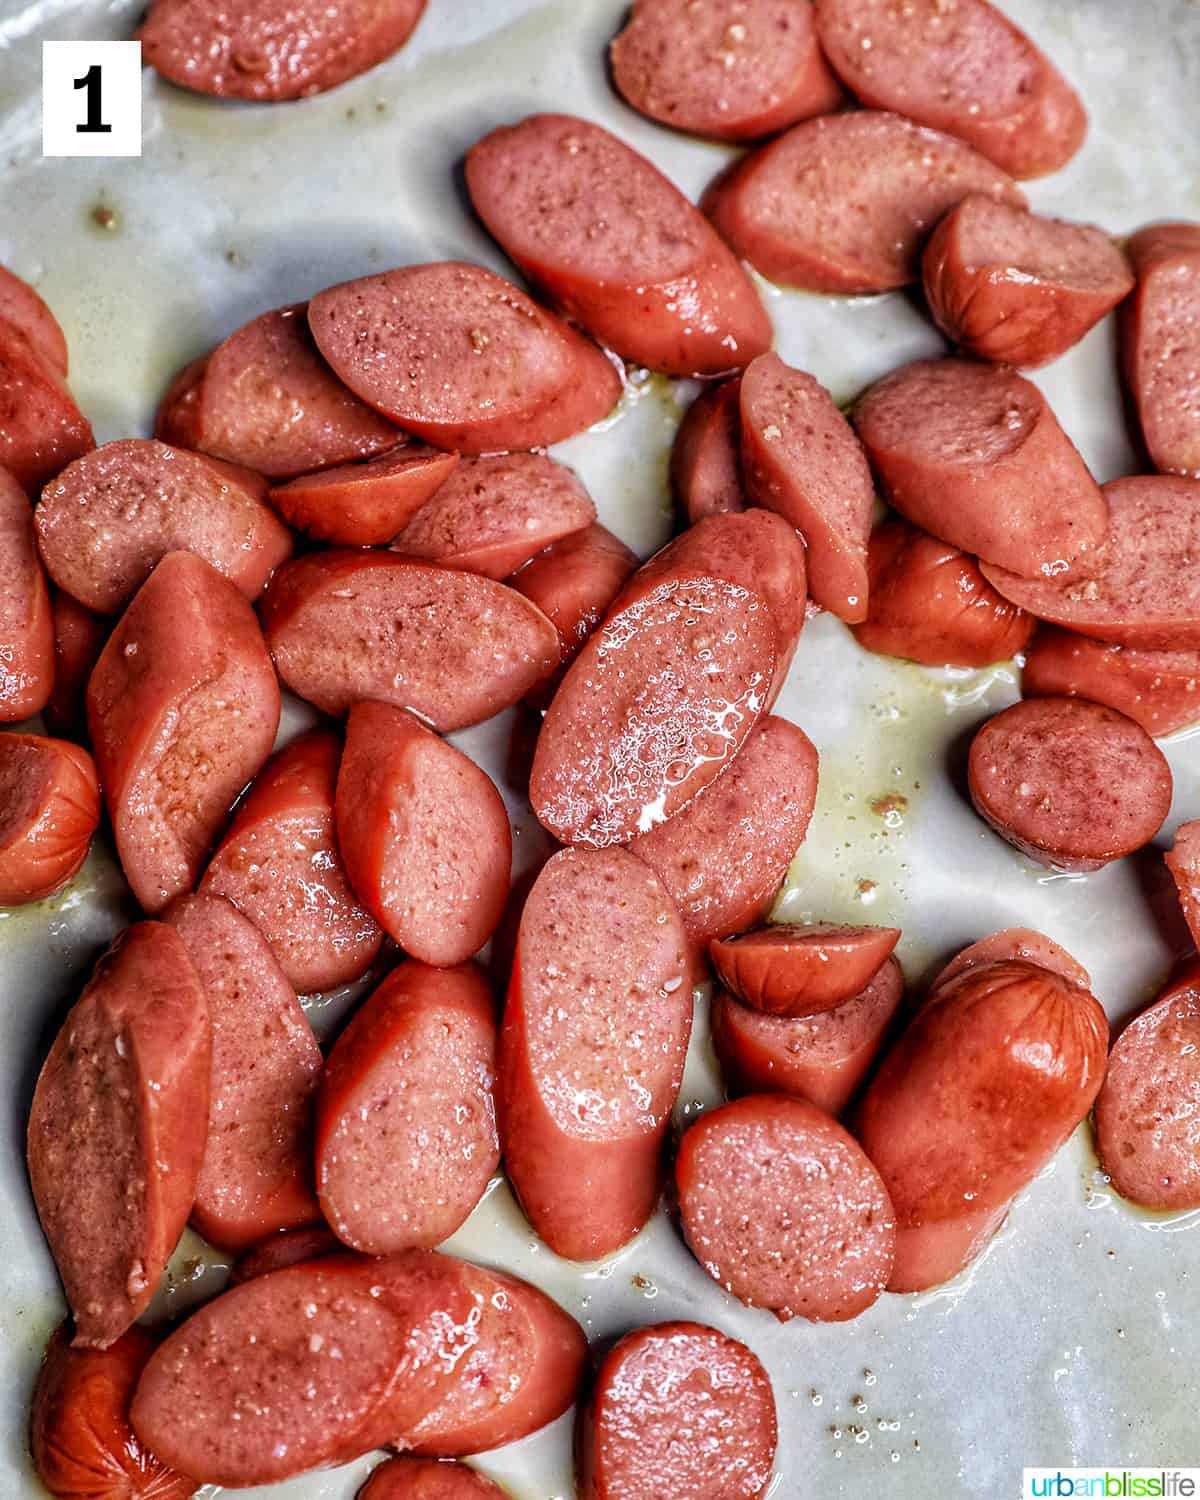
(27, 664)
(1160, 690)
(788, 970)
(363, 504)
(49, 810)
(1160, 344)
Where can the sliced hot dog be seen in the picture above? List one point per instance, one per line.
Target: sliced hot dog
(874, 185)
(111, 516)
(117, 1128)
(800, 457)
(780, 1205)
(1018, 289)
(821, 1058)
(363, 504)
(1015, 943)
(1069, 783)
(176, 420)
(26, 624)
(450, 646)
(41, 428)
(964, 68)
(788, 970)
(21, 306)
(494, 513)
(706, 459)
(49, 809)
(1183, 861)
(1160, 344)
(616, 246)
(183, 706)
(423, 834)
(427, 1479)
(291, 1248)
(463, 359)
(1160, 690)
(678, 1411)
(987, 1082)
(591, 1051)
(278, 863)
(973, 454)
(79, 637)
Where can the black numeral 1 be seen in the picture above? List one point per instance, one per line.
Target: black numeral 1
(94, 124)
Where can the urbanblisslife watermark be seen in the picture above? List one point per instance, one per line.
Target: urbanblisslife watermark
(1121, 1484)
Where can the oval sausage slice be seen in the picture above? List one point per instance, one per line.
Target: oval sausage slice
(427, 1479)
(1071, 784)
(592, 1048)
(1160, 690)
(1183, 861)
(678, 1411)
(363, 504)
(79, 637)
(21, 306)
(117, 1128)
(974, 454)
(41, 428)
(616, 246)
(1160, 344)
(780, 1205)
(26, 624)
(183, 706)
(278, 863)
(1015, 943)
(494, 513)
(788, 970)
(928, 601)
(449, 646)
(874, 186)
(706, 458)
(49, 810)
(463, 359)
(1015, 288)
(423, 834)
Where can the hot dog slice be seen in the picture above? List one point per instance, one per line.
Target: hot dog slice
(1018, 289)
(26, 624)
(1183, 861)
(928, 601)
(874, 185)
(41, 428)
(800, 457)
(988, 1081)
(616, 246)
(49, 809)
(117, 1128)
(495, 513)
(272, 49)
(452, 647)
(291, 1248)
(1160, 344)
(111, 516)
(176, 422)
(1160, 690)
(423, 834)
(706, 459)
(1148, 1112)
(659, 1383)
(821, 1058)
(183, 706)
(1072, 784)
(787, 970)
(591, 1051)
(361, 505)
(964, 68)
(21, 306)
(463, 359)
(279, 864)
(1016, 943)
(723, 857)
(79, 1433)
(427, 1479)
(79, 638)
(780, 1205)
(406, 1128)
(974, 454)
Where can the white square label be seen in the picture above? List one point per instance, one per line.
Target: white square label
(91, 98)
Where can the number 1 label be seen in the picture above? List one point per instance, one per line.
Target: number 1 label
(91, 98)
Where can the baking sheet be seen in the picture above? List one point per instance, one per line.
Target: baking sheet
(1076, 1340)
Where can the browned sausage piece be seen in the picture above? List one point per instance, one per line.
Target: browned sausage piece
(494, 513)
(1183, 861)
(592, 1048)
(423, 835)
(272, 49)
(363, 504)
(616, 246)
(79, 637)
(706, 459)
(1140, 586)
(1160, 690)
(821, 1058)
(723, 857)
(800, 457)
(111, 516)
(49, 809)
(964, 68)
(874, 185)
(780, 1205)
(451, 647)
(1018, 289)
(928, 601)
(278, 863)
(183, 706)
(788, 970)
(26, 623)
(291, 1248)
(973, 454)
(117, 1128)
(427, 1479)
(1148, 1112)
(1015, 943)
(1069, 783)
(41, 428)
(463, 359)
(21, 306)
(678, 1411)
(1160, 344)
(82, 1445)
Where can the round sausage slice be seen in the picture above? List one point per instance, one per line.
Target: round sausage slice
(26, 624)
(117, 1129)
(1160, 690)
(427, 1479)
(616, 246)
(363, 504)
(79, 637)
(1160, 344)
(706, 459)
(780, 1205)
(1071, 784)
(874, 186)
(41, 428)
(49, 810)
(1183, 861)
(678, 1411)
(1015, 943)
(1018, 289)
(787, 970)
(21, 306)
(974, 454)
